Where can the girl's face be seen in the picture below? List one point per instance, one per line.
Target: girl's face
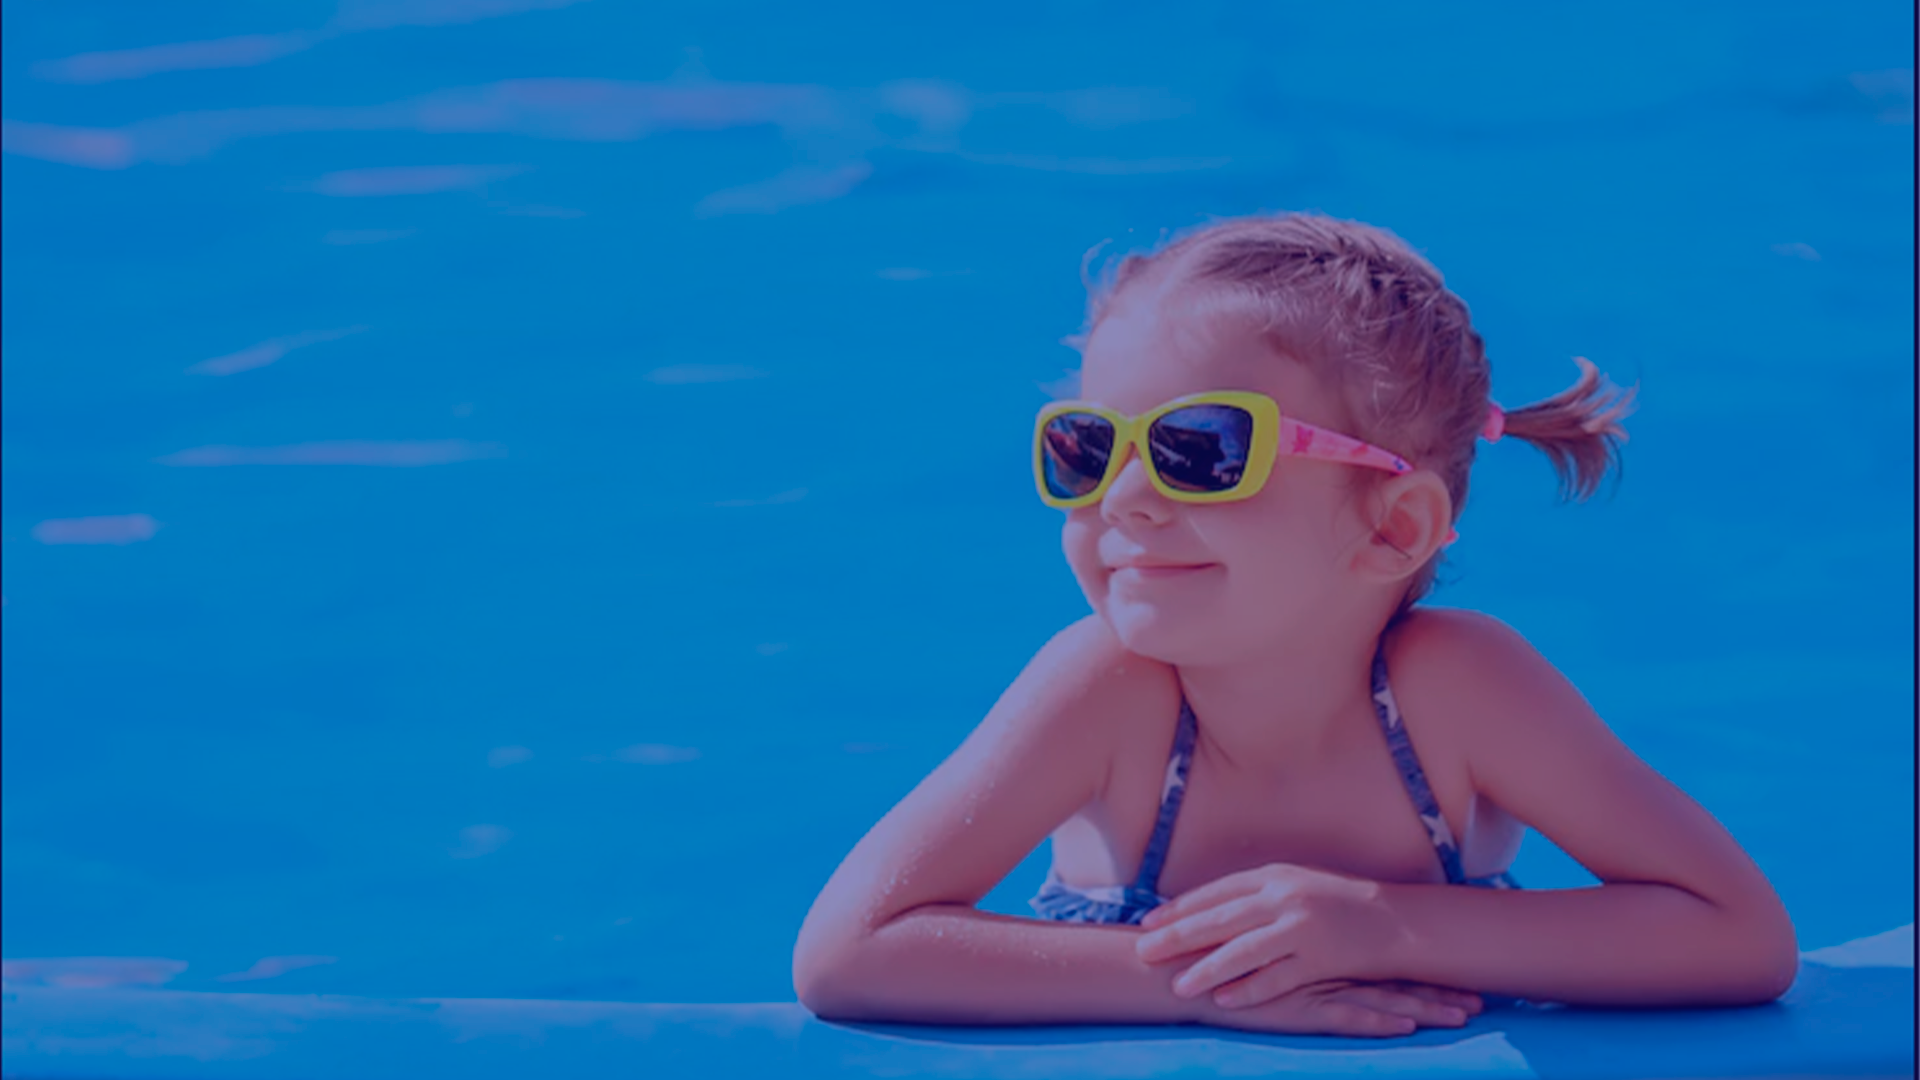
(1194, 584)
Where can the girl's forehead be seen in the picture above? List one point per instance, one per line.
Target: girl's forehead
(1144, 354)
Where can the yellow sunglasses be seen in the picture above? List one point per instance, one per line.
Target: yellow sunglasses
(1214, 447)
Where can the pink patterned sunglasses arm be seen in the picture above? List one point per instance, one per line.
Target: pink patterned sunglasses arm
(1305, 440)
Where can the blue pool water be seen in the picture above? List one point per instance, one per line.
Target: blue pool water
(382, 617)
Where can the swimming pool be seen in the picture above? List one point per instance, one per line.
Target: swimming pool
(380, 623)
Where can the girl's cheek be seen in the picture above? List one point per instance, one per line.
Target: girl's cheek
(1080, 541)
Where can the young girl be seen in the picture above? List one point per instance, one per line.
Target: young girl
(1281, 796)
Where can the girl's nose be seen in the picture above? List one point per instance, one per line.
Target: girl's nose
(1132, 495)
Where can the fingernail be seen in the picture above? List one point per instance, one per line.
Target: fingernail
(1456, 1016)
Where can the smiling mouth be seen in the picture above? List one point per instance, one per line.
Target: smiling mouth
(1161, 571)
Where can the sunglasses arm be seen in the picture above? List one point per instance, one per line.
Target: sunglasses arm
(1305, 440)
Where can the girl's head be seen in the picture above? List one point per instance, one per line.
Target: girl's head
(1346, 328)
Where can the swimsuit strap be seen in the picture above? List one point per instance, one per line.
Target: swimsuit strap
(1415, 779)
(1171, 794)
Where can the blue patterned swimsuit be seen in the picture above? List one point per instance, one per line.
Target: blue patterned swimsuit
(1129, 904)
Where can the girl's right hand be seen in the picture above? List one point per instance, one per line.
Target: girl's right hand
(1353, 1009)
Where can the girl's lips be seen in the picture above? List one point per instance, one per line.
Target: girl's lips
(1162, 570)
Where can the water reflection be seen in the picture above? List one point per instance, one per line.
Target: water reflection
(91, 972)
(478, 840)
(355, 237)
(266, 352)
(835, 130)
(502, 756)
(398, 454)
(111, 529)
(268, 967)
(655, 754)
(250, 50)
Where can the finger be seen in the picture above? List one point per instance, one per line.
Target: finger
(1275, 979)
(1425, 1012)
(1472, 1003)
(1197, 900)
(1444, 995)
(1341, 1018)
(1205, 929)
(1255, 950)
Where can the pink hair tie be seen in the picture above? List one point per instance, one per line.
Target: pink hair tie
(1496, 425)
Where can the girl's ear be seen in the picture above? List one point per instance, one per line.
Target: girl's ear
(1411, 516)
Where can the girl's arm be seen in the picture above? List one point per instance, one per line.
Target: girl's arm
(1682, 916)
(952, 964)
(894, 934)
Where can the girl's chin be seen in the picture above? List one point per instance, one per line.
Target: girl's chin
(1153, 631)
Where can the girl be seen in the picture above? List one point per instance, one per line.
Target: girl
(1267, 774)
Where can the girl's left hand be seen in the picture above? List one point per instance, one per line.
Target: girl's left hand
(1271, 931)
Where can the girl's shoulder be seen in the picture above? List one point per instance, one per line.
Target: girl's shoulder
(1449, 658)
(1425, 631)
(1088, 685)
(1470, 679)
(1086, 665)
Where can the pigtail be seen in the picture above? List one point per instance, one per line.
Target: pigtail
(1578, 429)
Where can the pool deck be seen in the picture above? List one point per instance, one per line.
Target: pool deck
(1850, 1013)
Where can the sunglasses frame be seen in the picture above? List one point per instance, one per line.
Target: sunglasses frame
(1273, 434)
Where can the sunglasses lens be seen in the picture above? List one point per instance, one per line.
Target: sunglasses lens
(1202, 448)
(1074, 451)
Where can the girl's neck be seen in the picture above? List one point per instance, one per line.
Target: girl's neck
(1280, 707)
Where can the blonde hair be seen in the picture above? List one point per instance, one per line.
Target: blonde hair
(1374, 320)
